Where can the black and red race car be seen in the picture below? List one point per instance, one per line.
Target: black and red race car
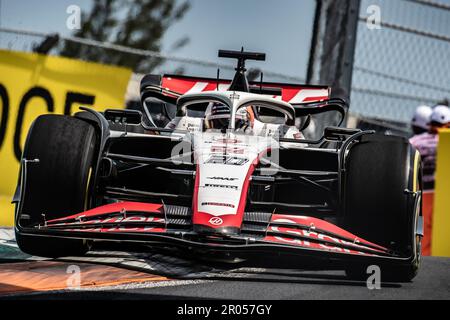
(223, 170)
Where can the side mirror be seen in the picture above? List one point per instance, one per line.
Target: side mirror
(156, 112)
(127, 117)
(338, 133)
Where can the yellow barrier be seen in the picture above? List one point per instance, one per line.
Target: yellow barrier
(33, 84)
(440, 241)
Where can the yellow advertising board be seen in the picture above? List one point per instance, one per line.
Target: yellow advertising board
(440, 240)
(33, 84)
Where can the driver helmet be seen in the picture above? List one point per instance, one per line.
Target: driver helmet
(242, 118)
(217, 116)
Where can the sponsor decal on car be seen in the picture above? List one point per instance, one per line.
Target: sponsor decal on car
(119, 219)
(218, 204)
(227, 140)
(313, 236)
(120, 229)
(225, 186)
(216, 221)
(230, 160)
(222, 178)
(226, 149)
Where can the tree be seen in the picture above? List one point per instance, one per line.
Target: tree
(135, 24)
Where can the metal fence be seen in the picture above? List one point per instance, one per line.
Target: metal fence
(401, 60)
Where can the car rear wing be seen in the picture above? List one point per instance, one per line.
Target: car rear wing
(173, 86)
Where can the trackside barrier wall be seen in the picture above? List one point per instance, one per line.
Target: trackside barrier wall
(33, 84)
(440, 241)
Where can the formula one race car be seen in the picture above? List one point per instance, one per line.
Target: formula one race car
(224, 171)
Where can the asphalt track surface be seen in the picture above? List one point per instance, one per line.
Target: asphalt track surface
(431, 283)
(186, 279)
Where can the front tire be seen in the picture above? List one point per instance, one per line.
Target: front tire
(57, 185)
(383, 201)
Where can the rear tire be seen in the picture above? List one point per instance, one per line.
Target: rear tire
(57, 184)
(377, 208)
